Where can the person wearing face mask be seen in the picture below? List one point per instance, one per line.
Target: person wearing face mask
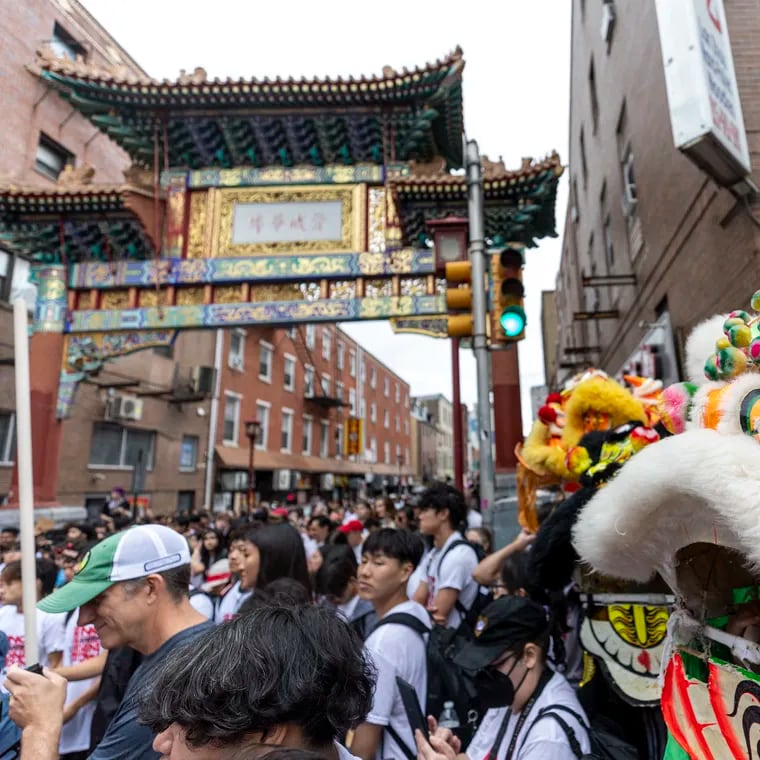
(507, 663)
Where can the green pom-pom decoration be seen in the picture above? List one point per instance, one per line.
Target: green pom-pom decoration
(755, 302)
(731, 362)
(740, 336)
(711, 368)
(732, 321)
(740, 314)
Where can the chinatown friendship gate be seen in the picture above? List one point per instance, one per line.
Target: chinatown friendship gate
(248, 202)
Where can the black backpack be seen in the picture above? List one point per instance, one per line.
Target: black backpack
(446, 681)
(605, 743)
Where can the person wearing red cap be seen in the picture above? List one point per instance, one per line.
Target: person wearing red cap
(353, 530)
(280, 514)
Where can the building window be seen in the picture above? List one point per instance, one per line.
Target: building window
(236, 356)
(286, 430)
(373, 450)
(397, 395)
(352, 401)
(64, 45)
(630, 196)
(387, 452)
(584, 165)
(373, 412)
(362, 409)
(308, 378)
(386, 419)
(185, 501)
(7, 437)
(406, 427)
(188, 454)
(341, 354)
(406, 456)
(290, 373)
(398, 424)
(372, 377)
(363, 370)
(262, 415)
(609, 247)
(387, 388)
(311, 336)
(117, 446)
(292, 332)
(325, 382)
(326, 344)
(307, 425)
(339, 391)
(339, 441)
(406, 401)
(51, 158)
(231, 418)
(352, 363)
(324, 439)
(265, 361)
(398, 453)
(593, 97)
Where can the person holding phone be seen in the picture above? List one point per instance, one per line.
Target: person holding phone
(397, 644)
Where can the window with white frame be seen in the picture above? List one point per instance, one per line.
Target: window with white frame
(398, 424)
(352, 363)
(372, 377)
(231, 424)
(236, 355)
(352, 400)
(339, 441)
(311, 336)
(286, 431)
(188, 453)
(398, 453)
(373, 412)
(406, 427)
(341, 354)
(363, 409)
(265, 361)
(292, 332)
(386, 419)
(406, 456)
(307, 426)
(339, 391)
(308, 378)
(7, 437)
(290, 373)
(324, 439)
(325, 383)
(363, 370)
(262, 415)
(51, 158)
(398, 393)
(387, 452)
(386, 387)
(373, 449)
(326, 343)
(117, 446)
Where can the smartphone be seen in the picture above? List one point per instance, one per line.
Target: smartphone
(414, 713)
(36, 668)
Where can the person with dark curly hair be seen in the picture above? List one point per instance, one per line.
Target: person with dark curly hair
(447, 589)
(290, 676)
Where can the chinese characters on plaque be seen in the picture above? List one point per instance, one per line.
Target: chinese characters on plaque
(288, 222)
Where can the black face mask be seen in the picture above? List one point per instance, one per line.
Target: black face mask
(494, 688)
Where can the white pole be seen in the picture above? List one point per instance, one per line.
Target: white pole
(213, 423)
(25, 480)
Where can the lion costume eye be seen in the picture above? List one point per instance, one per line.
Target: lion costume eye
(749, 413)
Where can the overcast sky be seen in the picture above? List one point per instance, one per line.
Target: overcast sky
(516, 91)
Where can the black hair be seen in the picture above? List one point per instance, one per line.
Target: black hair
(409, 513)
(275, 665)
(399, 544)
(10, 529)
(289, 753)
(284, 592)
(371, 524)
(207, 558)
(442, 496)
(338, 568)
(515, 573)
(323, 521)
(281, 553)
(46, 570)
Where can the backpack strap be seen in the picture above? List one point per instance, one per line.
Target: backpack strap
(572, 739)
(404, 618)
(408, 754)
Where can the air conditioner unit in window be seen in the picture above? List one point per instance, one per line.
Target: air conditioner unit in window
(281, 480)
(203, 380)
(608, 21)
(124, 408)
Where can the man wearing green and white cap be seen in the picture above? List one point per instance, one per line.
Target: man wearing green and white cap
(133, 587)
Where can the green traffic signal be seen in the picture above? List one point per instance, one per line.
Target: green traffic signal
(513, 321)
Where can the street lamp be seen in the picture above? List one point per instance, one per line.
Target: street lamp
(252, 428)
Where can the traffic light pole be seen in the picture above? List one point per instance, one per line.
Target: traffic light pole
(479, 312)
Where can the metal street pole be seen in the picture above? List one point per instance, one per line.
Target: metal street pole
(479, 310)
(251, 442)
(458, 438)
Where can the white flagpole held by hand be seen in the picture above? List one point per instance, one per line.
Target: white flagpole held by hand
(25, 479)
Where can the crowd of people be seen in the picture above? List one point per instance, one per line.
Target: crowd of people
(287, 633)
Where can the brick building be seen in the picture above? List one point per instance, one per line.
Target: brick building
(424, 444)
(640, 210)
(41, 134)
(441, 412)
(301, 385)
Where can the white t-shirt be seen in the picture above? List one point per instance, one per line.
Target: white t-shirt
(81, 643)
(344, 754)
(542, 741)
(418, 575)
(455, 571)
(50, 635)
(204, 604)
(397, 650)
(474, 519)
(231, 603)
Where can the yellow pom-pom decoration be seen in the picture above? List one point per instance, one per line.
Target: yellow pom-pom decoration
(722, 343)
(731, 362)
(711, 368)
(740, 336)
(755, 302)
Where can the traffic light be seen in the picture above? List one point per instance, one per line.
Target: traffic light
(508, 318)
(459, 298)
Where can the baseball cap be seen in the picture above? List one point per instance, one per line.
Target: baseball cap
(505, 622)
(218, 574)
(352, 526)
(280, 512)
(130, 554)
